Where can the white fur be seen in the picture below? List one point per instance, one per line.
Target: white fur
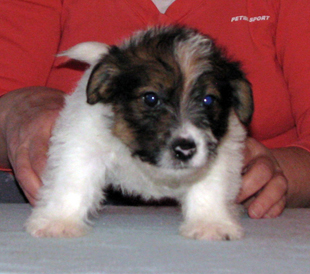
(84, 156)
(88, 52)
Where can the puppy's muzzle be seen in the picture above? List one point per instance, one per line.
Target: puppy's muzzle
(184, 149)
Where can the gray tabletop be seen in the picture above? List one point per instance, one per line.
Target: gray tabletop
(145, 240)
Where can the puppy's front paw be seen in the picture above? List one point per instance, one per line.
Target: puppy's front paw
(56, 228)
(211, 231)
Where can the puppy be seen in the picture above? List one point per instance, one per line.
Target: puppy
(161, 115)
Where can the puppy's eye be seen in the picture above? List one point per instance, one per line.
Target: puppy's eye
(208, 100)
(151, 99)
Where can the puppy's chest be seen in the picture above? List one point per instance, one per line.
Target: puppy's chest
(134, 176)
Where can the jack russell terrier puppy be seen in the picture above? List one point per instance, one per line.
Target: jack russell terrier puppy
(161, 115)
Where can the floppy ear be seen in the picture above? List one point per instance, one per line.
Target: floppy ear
(100, 80)
(243, 100)
(87, 52)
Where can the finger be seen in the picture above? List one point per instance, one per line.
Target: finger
(246, 204)
(277, 209)
(257, 175)
(26, 177)
(38, 155)
(270, 195)
(30, 199)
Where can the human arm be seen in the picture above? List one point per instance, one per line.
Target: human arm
(27, 117)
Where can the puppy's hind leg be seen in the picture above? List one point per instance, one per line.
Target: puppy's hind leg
(72, 189)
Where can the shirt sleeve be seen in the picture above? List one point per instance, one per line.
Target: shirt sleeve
(293, 52)
(29, 38)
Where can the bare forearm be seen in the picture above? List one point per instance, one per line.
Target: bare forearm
(295, 163)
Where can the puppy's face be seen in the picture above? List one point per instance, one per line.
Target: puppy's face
(172, 94)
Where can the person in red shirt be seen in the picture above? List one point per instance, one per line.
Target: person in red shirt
(269, 38)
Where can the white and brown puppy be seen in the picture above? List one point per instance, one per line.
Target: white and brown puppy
(161, 115)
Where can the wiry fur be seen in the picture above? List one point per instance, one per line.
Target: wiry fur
(177, 146)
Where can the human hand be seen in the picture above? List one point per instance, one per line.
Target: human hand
(27, 117)
(264, 185)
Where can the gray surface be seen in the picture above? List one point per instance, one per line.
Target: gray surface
(10, 191)
(145, 240)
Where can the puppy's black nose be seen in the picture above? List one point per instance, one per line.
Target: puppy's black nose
(184, 149)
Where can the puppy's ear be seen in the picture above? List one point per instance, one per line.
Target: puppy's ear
(229, 70)
(100, 81)
(87, 52)
(242, 100)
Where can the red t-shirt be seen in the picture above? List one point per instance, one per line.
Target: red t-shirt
(270, 38)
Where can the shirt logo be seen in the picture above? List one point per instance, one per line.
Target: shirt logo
(250, 19)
